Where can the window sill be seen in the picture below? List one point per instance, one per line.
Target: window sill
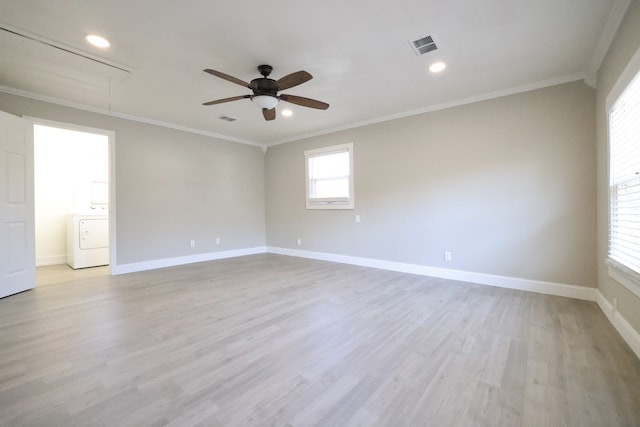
(623, 275)
(330, 206)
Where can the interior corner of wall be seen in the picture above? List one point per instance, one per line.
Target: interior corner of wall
(591, 79)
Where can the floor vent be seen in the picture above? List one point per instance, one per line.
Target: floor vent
(424, 45)
(227, 118)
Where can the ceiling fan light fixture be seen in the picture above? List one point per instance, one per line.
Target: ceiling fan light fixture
(265, 101)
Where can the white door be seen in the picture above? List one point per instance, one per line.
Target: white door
(17, 223)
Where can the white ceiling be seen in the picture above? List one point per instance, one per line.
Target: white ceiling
(357, 51)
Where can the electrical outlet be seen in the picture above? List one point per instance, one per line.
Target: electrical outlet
(357, 218)
(217, 240)
(299, 241)
(192, 243)
(447, 256)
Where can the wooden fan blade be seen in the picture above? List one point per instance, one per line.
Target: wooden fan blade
(227, 77)
(293, 79)
(269, 114)
(305, 102)
(233, 98)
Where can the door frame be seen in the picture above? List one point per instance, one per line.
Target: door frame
(111, 142)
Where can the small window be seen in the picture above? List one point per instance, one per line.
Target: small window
(329, 173)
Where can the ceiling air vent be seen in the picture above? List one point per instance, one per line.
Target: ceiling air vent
(227, 118)
(424, 45)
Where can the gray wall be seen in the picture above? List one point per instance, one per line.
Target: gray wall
(172, 186)
(506, 185)
(624, 46)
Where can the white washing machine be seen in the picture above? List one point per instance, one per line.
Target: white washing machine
(87, 240)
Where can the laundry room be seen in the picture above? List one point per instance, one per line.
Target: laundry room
(71, 187)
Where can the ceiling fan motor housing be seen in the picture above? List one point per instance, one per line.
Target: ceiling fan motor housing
(264, 86)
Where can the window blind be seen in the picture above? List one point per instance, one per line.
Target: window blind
(624, 136)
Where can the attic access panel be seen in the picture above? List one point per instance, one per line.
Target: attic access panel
(55, 71)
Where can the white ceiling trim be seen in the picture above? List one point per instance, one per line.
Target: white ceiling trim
(428, 109)
(131, 117)
(443, 106)
(606, 38)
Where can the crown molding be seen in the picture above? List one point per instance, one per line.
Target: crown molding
(431, 108)
(264, 146)
(606, 38)
(125, 116)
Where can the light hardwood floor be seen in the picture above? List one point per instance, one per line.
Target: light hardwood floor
(269, 340)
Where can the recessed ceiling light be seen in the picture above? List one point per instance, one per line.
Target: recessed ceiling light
(97, 41)
(436, 67)
(287, 113)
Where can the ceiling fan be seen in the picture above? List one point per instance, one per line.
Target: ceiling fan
(265, 90)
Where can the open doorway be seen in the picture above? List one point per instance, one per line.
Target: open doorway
(72, 181)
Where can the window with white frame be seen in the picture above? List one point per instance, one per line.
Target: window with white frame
(624, 190)
(329, 176)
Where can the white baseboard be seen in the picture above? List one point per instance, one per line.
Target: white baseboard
(51, 260)
(171, 262)
(630, 335)
(550, 288)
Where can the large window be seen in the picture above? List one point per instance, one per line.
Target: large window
(624, 190)
(329, 173)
